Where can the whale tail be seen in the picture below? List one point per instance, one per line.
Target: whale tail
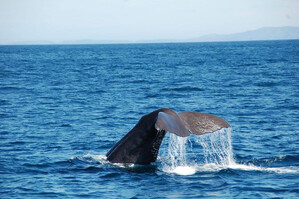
(142, 143)
(184, 123)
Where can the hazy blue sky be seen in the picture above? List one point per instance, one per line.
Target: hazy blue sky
(60, 20)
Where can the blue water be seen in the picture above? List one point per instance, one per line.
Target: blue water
(63, 107)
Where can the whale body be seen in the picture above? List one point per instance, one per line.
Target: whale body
(141, 144)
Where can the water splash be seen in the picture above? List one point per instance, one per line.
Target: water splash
(217, 147)
(176, 161)
(217, 153)
(177, 150)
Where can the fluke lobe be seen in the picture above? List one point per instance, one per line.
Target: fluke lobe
(141, 144)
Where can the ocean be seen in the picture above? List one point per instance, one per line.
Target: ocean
(62, 107)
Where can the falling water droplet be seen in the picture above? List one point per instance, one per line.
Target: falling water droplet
(176, 161)
(217, 150)
(217, 147)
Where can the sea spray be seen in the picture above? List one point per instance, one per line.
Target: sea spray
(217, 154)
(177, 150)
(217, 147)
(176, 160)
(217, 151)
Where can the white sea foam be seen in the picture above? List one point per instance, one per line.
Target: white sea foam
(183, 170)
(99, 158)
(251, 167)
(245, 167)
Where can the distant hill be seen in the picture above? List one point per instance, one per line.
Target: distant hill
(266, 33)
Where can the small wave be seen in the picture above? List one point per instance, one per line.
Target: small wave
(102, 159)
(110, 175)
(184, 88)
(266, 84)
(88, 163)
(278, 159)
(65, 125)
(251, 167)
(10, 88)
(89, 169)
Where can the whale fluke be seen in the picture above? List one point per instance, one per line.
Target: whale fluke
(201, 123)
(141, 144)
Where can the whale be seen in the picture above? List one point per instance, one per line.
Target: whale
(141, 144)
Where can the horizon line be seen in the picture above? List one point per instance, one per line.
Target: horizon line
(203, 38)
(141, 42)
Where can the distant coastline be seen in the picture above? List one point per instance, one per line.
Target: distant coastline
(261, 34)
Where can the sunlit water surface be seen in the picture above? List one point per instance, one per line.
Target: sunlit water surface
(63, 107)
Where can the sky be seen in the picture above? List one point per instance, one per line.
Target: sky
(134, 20)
